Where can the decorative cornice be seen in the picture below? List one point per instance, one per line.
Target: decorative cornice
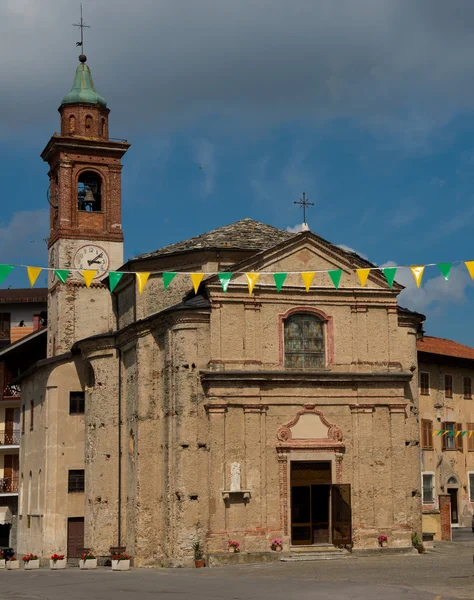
(333, 441)
(216, 408)
(255, 408)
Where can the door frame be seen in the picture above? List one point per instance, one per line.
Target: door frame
(449, 490)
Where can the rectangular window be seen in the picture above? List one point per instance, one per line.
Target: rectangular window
(470, 437)
(75, 481)
(76, 403)
(428, 488)
(427, 434)
(467, 388)
(452, 440)
(23, 418)
(425, 384)
(4, 326)
(471, 487)
(448, 386)
(32, 415)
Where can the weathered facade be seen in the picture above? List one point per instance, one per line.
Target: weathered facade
(216, 415)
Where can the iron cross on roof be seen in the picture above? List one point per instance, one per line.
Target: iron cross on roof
(82, 26)
(304, 202)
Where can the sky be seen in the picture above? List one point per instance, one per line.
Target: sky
(234, 109)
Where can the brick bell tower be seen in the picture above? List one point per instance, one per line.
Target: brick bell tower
(84, 194)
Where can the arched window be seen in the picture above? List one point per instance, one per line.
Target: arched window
(452, 481)
(89, 193)
(103, 128)
(88, 124)
(304, 342)
(28, 509)
(72, 124)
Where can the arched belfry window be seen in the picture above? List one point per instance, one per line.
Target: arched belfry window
(304, 342)
(89, 193)
(88, 124)
(72, 124)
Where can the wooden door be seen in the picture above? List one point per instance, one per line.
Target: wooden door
(454, 505)
(9, 426)
(10, 473)
(75, 536)
(341, 514)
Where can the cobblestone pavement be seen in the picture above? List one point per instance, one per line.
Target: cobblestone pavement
(444, 574)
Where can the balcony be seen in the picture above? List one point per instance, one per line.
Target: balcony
(9, 486)
(9, 438)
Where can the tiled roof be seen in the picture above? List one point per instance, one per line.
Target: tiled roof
(12, 296)
(435, 345)
(246, 234)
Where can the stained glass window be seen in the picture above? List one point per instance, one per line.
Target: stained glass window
(304, 342)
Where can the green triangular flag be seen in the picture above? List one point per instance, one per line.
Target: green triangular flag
(440, 432)
(445, 269)
(279, 280)
(463, 433)
(335, 277)
(61, 274)
(114, 278)
(168, 278)
(4, 271)
(224, 278)
(390, 273)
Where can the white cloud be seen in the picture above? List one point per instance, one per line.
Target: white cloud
(204, 155)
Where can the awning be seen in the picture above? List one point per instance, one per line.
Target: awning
(5, 515)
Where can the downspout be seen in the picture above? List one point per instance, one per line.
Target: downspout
(119, 431)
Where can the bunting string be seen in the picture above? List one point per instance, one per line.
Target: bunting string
(335, 276)
(451, 433)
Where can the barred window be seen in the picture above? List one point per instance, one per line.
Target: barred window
(467, 388)
(76, 403)
(75, 481)
(428, 488)
(304, 342)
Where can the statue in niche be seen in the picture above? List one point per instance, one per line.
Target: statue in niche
(235, 477)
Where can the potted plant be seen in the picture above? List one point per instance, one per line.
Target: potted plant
(88, 561)
(199, 561)
(57, 561)
(417, 543)
(12, 563)
(2, 560)
(31, 561)
(233, 546)
(120, 562)
(383, 540)
(276, 545)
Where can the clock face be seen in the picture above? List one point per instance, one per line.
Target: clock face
(92, 257)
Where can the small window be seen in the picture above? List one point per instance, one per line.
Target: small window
(304, 342)
(448, 438)
(89, 192)
(72, 124)
(452, 481)
(32, 415)
(75, 481)
(425, 384)
(467, 388)
(427, 434)
(448, 386)
(428, 488)
(88, 124)
(76, 403)
(471, 487)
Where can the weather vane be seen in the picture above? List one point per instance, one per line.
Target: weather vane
(304, 202)
(81, 26)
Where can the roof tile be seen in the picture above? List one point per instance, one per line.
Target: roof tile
(435, 345)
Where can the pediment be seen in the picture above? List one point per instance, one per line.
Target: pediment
(308, 428)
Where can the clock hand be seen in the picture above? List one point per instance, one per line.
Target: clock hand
(95, 260)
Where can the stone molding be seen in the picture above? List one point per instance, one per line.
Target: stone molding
(298, 377)
(255, 408)
(332, 442)
(215, 408)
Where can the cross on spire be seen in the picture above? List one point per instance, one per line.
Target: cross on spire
(81, 26)
(304, 203)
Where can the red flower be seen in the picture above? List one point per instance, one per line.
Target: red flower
(56, 557)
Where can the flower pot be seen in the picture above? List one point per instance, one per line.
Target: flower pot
(120, 565)
(29, 565)
(2, 563)
(12, 564)
(277, 548)
(57, 564)
(383, 544)
(231, 549)
(90, 563)
(199, 563)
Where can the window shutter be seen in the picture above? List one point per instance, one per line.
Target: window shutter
(459, 445)
(443, 437)
(429, 434)
(470, 440)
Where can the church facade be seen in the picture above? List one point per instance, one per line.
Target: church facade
(174, 416)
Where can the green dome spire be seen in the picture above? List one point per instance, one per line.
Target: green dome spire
(83, 88)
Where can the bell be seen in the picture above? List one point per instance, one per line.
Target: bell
(89, 198)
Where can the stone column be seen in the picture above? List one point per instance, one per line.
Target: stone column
(217, 460)
(445, 515)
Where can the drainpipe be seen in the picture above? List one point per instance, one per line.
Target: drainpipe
(119, 442)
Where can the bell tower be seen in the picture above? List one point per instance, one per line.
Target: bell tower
(84, 194)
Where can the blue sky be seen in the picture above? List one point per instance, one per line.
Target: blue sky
(249, 110)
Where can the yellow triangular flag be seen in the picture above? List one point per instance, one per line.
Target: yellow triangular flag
(458, 433)
(142, 278)
(89, 276)
(33, 274)
(417, 274)
(196, 278)
(470, 267)
(435, 431)
(307, 277)
(470, 433)
(252, 280)
(363, 275)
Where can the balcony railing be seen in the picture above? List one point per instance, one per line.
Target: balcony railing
(9, 437)
(11, 391)
(9, 485)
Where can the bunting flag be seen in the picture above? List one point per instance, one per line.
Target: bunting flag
(4, 271)
(196, 278)
(142, 278)
(417, 273)
(61, 274)
(335, 277)
(470, 267)
(168, 278)
(390, 273)
(33, 274)
(363, 274)
(279, 279)
(307, 278)
(114, 278)
(89, 276)
(450, 433)
(224, 278)
(445, 269)
(252, 279)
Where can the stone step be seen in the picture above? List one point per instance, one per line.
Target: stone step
(314, 556)
(316, 548)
